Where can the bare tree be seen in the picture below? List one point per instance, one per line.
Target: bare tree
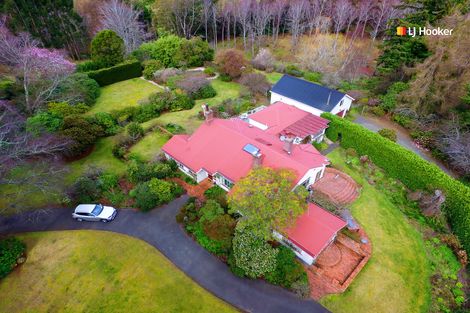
(295, 17)
(363, 14)
(261, 17)
(207, 12)
(341, 15)
(124, 20)
(278, 8)
(244, 18)
(382, 12)
(455, 142)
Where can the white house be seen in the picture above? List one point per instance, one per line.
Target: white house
(310, 97)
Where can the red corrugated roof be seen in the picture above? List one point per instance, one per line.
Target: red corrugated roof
(217, 146)
(314, 229)
(281, 118)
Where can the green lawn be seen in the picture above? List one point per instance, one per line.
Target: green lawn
(123, 94)
(96, 271)
(149, 146)
(101, 157)
(273, 77)
(396, 278)
(188, 118)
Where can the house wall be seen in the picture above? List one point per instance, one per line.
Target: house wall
(301, 254)
(257, 124)
(345, 106)
(311, 174)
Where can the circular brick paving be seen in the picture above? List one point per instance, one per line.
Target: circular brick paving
(330, 257)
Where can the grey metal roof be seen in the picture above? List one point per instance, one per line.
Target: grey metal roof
(308, 93)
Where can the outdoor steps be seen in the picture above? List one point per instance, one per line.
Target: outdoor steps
(347, 195)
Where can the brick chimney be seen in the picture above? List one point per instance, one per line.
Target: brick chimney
(208, 113)
(257, 160)
(288, 143)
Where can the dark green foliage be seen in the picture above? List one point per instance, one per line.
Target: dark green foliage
(313, 76)
(293, 70)
(218, 194)
(79, 88)
(233, 266)
(210, 210)
(164, 50)
(6, 88)
(409, 168)
(107, 123)
(145, 200)
(64, 109)
(107, 48)
(83, 133)
(163, 101)
(205, 92)
(150, 67)
(43, 121)
(55, 23)
(142, 171)
(175, 128)
(10, 250)
(194, 52)
(134, 130)
(89, 65)
(108, 181)
(117, 73)
(288, 269)
(388, 133)
(162, 170)
(221, 229)
(155, 192)
(86, 190)
(207, 243)
(388, 102)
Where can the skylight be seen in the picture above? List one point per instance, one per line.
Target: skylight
(254, 151)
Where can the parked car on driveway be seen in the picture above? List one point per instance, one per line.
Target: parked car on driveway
(94, 213)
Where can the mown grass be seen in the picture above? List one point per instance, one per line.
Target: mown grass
(123, 94)
(396, 278)
(188, 118)
(95, 271)
(150, 146)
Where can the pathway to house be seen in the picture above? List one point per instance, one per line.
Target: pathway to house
(159, 228)
(403, 138)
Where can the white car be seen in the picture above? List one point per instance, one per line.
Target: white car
(94, 213)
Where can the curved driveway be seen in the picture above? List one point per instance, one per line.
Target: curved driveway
(159, 228)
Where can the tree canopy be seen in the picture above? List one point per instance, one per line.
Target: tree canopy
(266, 200)
(107, 48)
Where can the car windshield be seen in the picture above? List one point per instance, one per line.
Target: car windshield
(97, 210)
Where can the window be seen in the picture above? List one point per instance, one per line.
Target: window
(227, 182)
(97, 210)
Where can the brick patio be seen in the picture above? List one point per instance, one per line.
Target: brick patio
(194, 190)
(336, 185)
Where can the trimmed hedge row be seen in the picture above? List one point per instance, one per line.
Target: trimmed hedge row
(117, 73)
(409, 168)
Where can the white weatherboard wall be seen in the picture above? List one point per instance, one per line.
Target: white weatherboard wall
(311, 174)
(345, 106)
(301, 254)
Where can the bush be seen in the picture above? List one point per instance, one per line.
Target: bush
(83, 133)
(107, 123)
(231, 62)
(225, 78)
(161, 101)
(252, 254)
(43, 121)
(293, 70)
(164, 50)
(80, 89)
(221, 229)
(108, 181)
(175, 128)
(288, 270)
(390, 134)
(207, 243)
(233, 266)
(150, 67)
(264, 60)
(389, 100)
(117, 73)
(164, 75)
(256, 83)
(64, 109)
(6, 88)
(301, 288)
(194, 52)
(11, 249)
(196, 87)
(162, 170)
(379, 111)
(413, 171)
(86, 190)
(209, 71)
(162, 189)
(89, 65)
(135, 131)
(403, 120)
(218, 194)
(145, 200)
(313, 76)
(107, 48)
(210, 210)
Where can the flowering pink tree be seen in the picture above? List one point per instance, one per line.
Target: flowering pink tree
(39, 70)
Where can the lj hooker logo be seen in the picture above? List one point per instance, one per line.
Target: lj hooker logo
(423, 31)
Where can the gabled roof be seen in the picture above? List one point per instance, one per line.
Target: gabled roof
(218, 146)
(281, 119)
(314, 229)
(311, 94)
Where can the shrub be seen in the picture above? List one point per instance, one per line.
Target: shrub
(390, 134)
(256, 83)
(107, 48)
(413, 171)
(135, 131)
(164, 50)
(196, 87)
(264, 60)
(313, 76)
(221, 229)
(64, 109)
(218, 194)
(162, 170)
(150, 67)
(162, 189)
(11, 249)
(6, 88)
(107, 123)
(145, 200)
(181, 101)
(379, 111)
(231, 62)
(288, 270)
(232, 263)
(175, 128)
(403, 120)
(162, 76)
(89, 65)
(210, 210)
(293, 70)
(225, 78)
(253, 255)
(43, 121)
(86, 190)
(207, 243)
(117, 73)
(108, 181)
(83, 133)
(209, 71)
(301, 288)
(79, 88)
(194, 52)
(389, 100)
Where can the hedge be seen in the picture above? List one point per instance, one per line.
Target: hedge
(117, 73)
(406, 166)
